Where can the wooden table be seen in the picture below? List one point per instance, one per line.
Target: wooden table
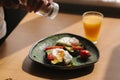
(16, 65)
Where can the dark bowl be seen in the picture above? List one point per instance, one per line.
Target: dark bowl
(37, 53)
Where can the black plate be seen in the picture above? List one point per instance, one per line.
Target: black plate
(37, 53)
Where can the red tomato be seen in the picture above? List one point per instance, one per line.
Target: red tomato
(50, 56)
(53, 47)
(84, 54)
(77, 47)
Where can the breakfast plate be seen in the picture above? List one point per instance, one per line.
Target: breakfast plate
(37, 52)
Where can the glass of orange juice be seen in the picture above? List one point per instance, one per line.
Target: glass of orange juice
(92, 21)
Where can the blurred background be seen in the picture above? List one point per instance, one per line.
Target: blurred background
(110, 8)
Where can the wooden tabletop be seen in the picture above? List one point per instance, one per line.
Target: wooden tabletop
(16, 65)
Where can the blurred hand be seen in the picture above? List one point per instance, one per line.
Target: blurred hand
(35, 5)
(29, 5)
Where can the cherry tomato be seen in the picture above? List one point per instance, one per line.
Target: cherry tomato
(77, 47)
(50, 56)
(84, 54)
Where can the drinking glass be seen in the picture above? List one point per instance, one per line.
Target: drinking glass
(92, 21)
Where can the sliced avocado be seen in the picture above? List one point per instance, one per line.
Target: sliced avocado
(70, 49)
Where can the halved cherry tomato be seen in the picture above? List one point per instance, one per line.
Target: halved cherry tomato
(77, 47)
(84, 54)
(50, 56)
(53, 47)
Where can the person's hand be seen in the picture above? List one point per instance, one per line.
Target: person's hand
(35, 5)
(29, 5)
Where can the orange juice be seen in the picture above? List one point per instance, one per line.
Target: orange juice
(92, 24)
